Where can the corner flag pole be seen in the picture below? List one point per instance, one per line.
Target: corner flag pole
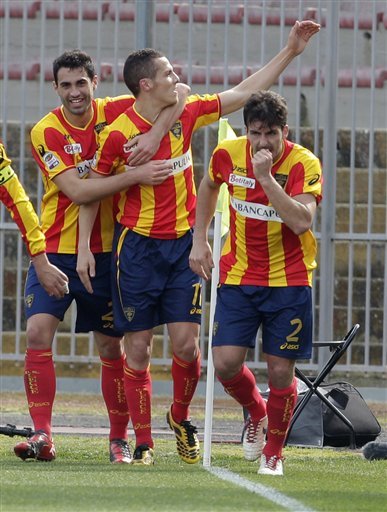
(225, 132)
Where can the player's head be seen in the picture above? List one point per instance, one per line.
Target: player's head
(150, 72)
(265, 116)
(73, 59)
(75, 81)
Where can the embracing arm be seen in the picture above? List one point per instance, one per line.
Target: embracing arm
(145, 145)
(234, 99)
(200, 258)
(83, 191)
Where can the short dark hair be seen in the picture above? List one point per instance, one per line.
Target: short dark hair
(268, 107)
(73, 59)
(139, 65)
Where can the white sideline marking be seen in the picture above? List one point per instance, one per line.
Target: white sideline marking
(266, 492)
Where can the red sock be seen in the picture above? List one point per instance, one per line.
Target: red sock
(40, 386)
(185, 377)
(243, 388)
(113, 392)
(280, 407)
(138, 391)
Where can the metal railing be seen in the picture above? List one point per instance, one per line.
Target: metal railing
(336, 91)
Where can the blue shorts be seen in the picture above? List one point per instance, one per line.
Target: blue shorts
(284, 312)
(152, 281)
(94, 311)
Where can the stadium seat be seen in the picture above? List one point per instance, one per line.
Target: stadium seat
(365, 14)
(127, 11)
(363, 76)
(71, 10)
(306, 77)
(105, 71)
(217, 12)
(15, 70)
(216, 74)
(273, 13)
(16, 8)
(290, 76)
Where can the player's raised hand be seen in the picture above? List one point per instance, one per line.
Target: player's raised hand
(300, 34)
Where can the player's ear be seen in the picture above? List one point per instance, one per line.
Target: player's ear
(145, 84)
(285, 131)
(94, 82)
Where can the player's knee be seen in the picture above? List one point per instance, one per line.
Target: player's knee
(37, 337)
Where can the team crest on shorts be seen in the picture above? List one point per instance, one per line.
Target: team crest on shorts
(215, 328)
(177, 130)
(29, 300)
(129, 313)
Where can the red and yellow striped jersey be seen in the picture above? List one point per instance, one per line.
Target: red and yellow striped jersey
(58, 146)
(260, 249)
(165, 211)
(15, 199)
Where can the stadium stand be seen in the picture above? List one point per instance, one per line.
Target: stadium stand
(15, 70)
(218, 13)
(16, 8)
(89, 9)
(306, 76)
(127, 10)
(363, 77)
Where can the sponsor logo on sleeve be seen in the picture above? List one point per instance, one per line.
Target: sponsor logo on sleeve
(50, 161)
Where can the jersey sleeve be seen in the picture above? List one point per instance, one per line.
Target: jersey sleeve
(310, 179)
(108, 159)
(220, 164)
(204, 109)
(51, 161)
(17, 202)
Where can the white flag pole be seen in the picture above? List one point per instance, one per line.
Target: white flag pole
(224, 132)
(210, 365)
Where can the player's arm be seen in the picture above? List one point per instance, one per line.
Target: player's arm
(53, 280)
(200, 258)
(83, 191)
(296, 212)
(146, 145)
(234, 99)
(85, 259)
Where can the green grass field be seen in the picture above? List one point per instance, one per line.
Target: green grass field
(82, 479)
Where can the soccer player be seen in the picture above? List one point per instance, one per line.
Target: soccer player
(153, 283)
(265, 267)
(15, 199)
(64, 143)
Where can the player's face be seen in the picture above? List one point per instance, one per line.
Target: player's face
(263, 137)
(164, 83)
(75, 89)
